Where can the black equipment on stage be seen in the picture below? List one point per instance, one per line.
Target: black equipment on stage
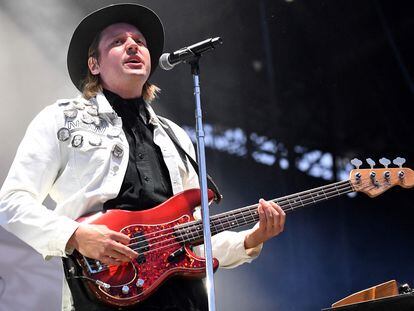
(403, 302)
(383, 297)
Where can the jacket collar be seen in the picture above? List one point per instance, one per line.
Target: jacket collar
(104, 107)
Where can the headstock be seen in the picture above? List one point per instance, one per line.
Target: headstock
(374, 181)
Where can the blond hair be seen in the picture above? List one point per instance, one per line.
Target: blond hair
(91, 85)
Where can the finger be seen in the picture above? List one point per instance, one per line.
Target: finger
(282, 216)
(110, 261)
(118, 242)
(122, 244)
(276, 220)
(124, 250)
(105, 232)
(262, 216)
(119, 237)
(271, 217)
(117, 256)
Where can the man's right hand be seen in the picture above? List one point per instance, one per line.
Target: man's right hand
(99, 242)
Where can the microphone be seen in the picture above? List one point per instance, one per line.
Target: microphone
(169, 60)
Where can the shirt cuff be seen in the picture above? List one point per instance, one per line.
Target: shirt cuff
(58, 245)
(254, 251)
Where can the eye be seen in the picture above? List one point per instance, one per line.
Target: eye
(140, 42)
(117, 42)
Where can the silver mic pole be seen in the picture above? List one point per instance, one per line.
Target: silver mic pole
(192, 56)
(202, 173)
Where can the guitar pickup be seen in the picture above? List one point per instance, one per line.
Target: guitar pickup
(142, 246)
(176, 255)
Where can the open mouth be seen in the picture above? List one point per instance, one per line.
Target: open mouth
(133, 61)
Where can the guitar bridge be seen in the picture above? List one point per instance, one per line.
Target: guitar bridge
(94, 266)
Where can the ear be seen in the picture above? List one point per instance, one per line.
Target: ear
(93, 65)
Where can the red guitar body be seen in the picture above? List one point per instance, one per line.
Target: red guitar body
(162, 255)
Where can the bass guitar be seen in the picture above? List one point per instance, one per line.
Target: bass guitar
(163, 236)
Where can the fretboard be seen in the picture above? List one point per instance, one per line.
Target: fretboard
(193, 231)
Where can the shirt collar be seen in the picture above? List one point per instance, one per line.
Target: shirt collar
(105, 107)
(153, 119)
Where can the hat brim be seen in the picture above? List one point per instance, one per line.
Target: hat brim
(147, 22)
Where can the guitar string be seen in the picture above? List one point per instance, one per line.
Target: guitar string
(233, 213)
(327, 195)
(179, 243)
(241, 210)
(194, 227)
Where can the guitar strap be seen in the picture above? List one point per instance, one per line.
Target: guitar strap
(184, 156)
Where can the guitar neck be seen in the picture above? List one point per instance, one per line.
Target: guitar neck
(193, 231)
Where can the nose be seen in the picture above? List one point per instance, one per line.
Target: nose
(131, 46)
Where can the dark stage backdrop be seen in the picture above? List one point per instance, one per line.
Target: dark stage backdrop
(327, 251)
(310, 78)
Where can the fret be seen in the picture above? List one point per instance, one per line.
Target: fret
(212, 227)
(312, 195)
(282, 204)
(313, 200)
(290, 204)
(234, 223)
(251, 216)
(218, 222)
(324, 194)
(300, 199)
(190, 232)
(214, 223)
(320, 194)
(248, 215)
(227, 224)
(295, 201)
(200, 229)
(255, 215)
(244, 218)
(336, 188)
(179, 235)
(334, 192)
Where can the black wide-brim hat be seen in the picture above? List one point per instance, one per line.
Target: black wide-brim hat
(147, 22)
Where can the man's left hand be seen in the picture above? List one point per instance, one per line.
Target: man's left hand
(271, 223)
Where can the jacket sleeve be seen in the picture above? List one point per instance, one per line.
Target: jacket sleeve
(32, 174)
(228, 246)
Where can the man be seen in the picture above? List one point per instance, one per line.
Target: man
(108, 149)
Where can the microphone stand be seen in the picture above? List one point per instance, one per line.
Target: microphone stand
(202, 173)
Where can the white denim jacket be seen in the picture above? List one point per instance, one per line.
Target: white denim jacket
(82, 173)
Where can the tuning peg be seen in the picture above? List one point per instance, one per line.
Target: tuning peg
(399, 161)
(356, 162)
(371, 162)
(385, 162)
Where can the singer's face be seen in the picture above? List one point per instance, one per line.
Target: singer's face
(124, 60)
